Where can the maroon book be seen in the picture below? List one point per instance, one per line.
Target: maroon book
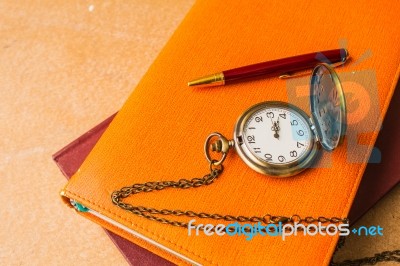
(378, 179)
(70, 158)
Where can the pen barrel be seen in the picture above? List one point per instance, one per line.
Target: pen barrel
(285, 65)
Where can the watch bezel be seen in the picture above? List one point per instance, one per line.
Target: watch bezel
(261, 166)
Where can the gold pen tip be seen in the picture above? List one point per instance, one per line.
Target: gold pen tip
(210, 80)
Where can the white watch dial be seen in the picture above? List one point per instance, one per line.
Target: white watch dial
(277, 135)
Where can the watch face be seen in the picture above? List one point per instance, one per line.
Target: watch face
(275, 138)
(277, 134)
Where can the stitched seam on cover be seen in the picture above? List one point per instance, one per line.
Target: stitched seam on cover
(145, 229)
(366, 157)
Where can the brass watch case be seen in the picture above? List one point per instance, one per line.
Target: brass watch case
(324, 81)
(263, 167)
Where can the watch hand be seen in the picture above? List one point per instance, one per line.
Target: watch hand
(276, 129)
(277, 125)
(272, 123)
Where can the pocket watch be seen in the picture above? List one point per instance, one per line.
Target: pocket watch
(279, 139)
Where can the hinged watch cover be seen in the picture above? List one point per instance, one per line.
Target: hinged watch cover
(328, 106)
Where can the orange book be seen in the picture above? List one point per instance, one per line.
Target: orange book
(159, 133)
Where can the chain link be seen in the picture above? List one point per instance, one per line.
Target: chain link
(150, 213)
(215, 170)
(393, 255)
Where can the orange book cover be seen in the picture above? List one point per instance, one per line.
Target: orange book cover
(159, 133)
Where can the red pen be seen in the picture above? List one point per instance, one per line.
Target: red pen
(280, 67)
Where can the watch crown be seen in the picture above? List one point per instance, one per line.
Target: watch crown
(222, 145)
(216, 146)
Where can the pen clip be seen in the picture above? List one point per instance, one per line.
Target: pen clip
(290, 75)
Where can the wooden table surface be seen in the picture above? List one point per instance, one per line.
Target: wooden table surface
(64, 67)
